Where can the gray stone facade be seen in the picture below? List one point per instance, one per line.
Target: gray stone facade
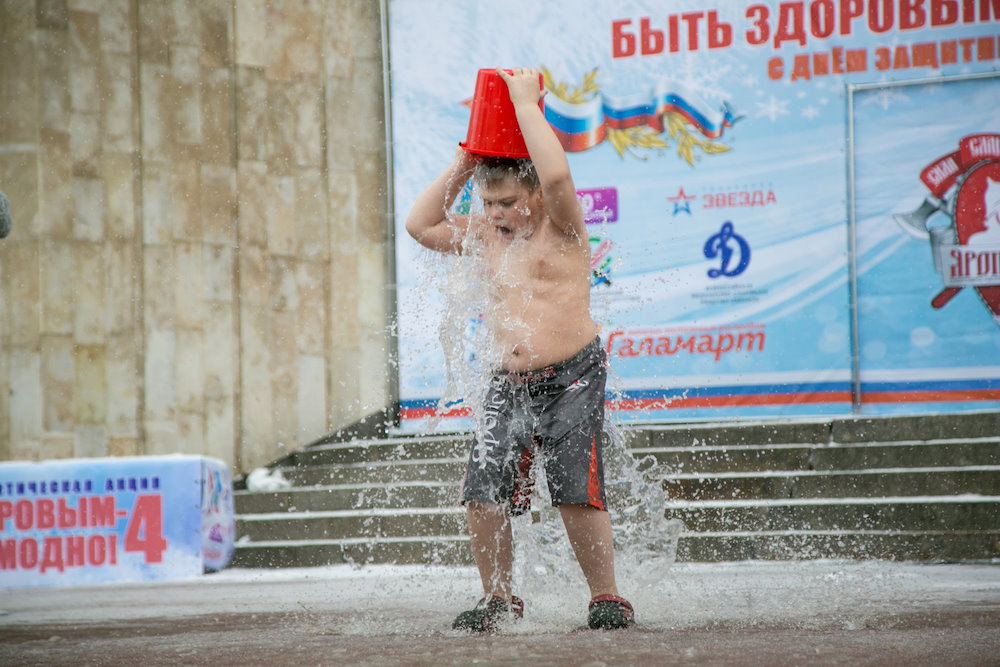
(199, 253)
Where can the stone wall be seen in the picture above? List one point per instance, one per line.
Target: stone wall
(199, 255)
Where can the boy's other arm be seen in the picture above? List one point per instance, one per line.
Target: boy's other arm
(429, 222)
(546, 152)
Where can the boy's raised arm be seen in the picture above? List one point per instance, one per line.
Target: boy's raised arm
(429, 222)
(546, 152)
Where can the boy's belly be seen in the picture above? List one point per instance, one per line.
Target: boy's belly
(544, 338)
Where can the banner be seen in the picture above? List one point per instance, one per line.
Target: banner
(90, 521)
(928, 232)
(710, 147)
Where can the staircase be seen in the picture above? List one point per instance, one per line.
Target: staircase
(361, 501)
(902, 488)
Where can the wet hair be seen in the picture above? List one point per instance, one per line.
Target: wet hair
(490, 171)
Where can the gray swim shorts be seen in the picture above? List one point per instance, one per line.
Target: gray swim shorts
(554, 413)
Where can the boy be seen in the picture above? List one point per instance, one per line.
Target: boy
(547, 396)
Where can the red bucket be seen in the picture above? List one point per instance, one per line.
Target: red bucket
(493, 128)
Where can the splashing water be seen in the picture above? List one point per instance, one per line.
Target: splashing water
(645, 540)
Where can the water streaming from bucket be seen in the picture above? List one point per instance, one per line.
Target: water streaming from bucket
(645, 540)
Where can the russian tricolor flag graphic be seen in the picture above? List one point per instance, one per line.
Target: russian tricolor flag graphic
(585, 125)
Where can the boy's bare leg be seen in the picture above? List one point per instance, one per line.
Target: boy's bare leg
(589, 531)
(492, 547)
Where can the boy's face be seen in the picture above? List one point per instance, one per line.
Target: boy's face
(510, 207)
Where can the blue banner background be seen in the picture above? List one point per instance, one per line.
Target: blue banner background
(788, 150)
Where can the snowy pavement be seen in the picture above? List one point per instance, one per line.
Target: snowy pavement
(774, 613)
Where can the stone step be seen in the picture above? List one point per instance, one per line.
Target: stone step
(395, 449)
(313, 466)
(759, 486)
(384, 467)
(445, 550)
(731, 435)
(351, 496)
(377, 472)
(911, 488)
(956, 513)
(871, 483)
(913, 514)
(981, 545)
(348, 482)
(409, 522)
(840, 430)
(854, 456)
(692, 547)
(918, 427)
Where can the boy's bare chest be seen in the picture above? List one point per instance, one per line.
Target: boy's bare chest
(529, 261)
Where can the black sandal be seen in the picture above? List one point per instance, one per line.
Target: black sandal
(610, 612)
(489, 614)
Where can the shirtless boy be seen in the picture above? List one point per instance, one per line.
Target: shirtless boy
(547, 396)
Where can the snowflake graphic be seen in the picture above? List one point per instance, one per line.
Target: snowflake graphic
(885, 96)
(704, 78)
(772, 108)
(810, 112)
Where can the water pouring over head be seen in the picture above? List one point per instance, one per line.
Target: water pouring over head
(543, 393)
(512, 199)
(504, 172)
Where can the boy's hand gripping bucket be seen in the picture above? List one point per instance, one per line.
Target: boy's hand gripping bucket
(493, 128)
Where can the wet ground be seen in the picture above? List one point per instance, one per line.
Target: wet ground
(826, 613)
